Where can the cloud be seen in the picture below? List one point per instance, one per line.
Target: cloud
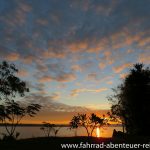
(75, 92)
(98, 106)
(107, 59)
(69, 40)
(42, 21)
(119, 68)
(144, 41)
(49, 103)
(76, 68)
(23, 73)
(92, 76)
(45, 79)
(56, 112)
(89, 28)
(18, 15)
(28, 59)
(144, 57)
(102, 65)
(53, 54)
(64, 77)
(42, 67)
(77, 46)
(55, 96)
(110, 82)
(13, 56)
(123, 75)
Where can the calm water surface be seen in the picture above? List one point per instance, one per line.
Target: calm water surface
(28, 132)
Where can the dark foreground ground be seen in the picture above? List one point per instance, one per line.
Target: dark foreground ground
(54, 143)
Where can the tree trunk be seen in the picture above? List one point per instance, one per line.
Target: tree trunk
(87, 131)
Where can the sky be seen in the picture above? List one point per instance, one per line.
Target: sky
(71, 53)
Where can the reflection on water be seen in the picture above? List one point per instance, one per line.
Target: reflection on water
(28, 132)
(98, 132)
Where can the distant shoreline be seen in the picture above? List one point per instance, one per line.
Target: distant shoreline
(56, 125)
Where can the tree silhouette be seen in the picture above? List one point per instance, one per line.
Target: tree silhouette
(47, 128)
(56, 130)
(84, 122)
(11, 113)
(74, 123)
(131, 101)
(10, 84)
(96, 121)
(88, 122)
(116, 118)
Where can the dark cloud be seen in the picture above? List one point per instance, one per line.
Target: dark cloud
(49, 103)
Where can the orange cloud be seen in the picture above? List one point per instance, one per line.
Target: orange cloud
(75, 92)
(144, 57)
(99, 45)
(144, 41)
(77, 46)
(102, 65)
(27, 59)
(132, 38)
(118, 69)
(13, 56)
(55, 96)
(123, 75)
(124, 38)
(129, 51)
(45, 79)
(66, 77)
(51, 54)
(76, 68)
(98, 106)
(110, 82)
(23, 73)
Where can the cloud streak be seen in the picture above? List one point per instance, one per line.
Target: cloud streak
(76, 92)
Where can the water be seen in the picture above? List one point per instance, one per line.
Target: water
(31, 131)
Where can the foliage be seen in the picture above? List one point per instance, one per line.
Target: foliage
(88, 122)
(10, 84)
(96, 121)
(131, 101)
(116, 119)
(12, 112)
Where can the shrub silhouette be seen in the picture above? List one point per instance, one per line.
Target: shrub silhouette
(48, 128)
(11, 113)
(88, 122)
